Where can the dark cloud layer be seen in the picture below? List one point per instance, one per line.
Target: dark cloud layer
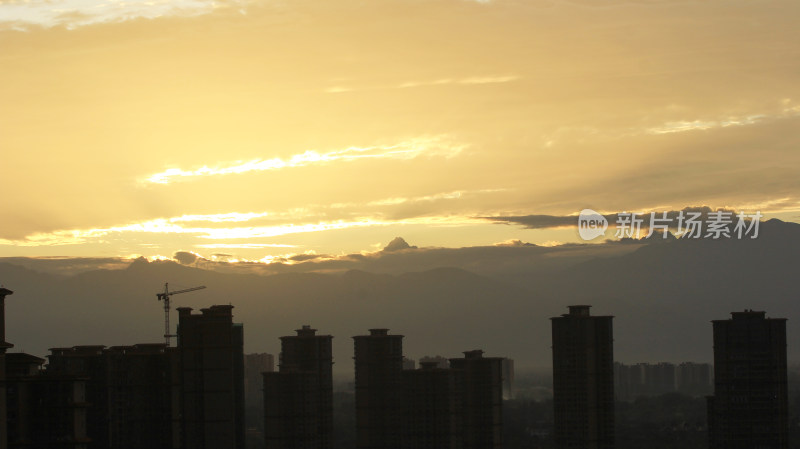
(556, 221)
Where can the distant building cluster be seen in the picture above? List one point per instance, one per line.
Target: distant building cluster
(195, 395)
(654, 379)
(397, 406)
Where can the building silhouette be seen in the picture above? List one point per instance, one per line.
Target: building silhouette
(441, 362)
(254, 366)
(140, 396)
(88, 362)
(508, 378)
(298, 399)
(749, 408)
(44, 410)
(141, 382)
(379, 390)
(583, 380)
(211, 367)
(130, 391)
(455, 403)
(481, 399)
(38, 409)
(4, 346)
(433, 416)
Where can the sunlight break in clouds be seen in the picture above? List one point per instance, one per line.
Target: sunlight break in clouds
(167, 226)
(220, 218)
(430, 146)
(244, 245)
(440, 82)
(788, 110)
(21, 15)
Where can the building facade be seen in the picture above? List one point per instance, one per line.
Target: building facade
(481, 399)
(4, 346)
(211, 371)
(433, 416)
(298, 399)
(583, 380)
(749, 408)
(379, 390)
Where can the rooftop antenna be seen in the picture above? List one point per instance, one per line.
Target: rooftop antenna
(165, 297)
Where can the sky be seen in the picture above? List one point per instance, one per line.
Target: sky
(247, 130)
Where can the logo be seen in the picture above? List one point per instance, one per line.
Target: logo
(591, 224)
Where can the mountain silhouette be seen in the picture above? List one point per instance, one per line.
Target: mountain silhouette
(663, 296)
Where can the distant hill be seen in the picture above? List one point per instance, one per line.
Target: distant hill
(663, 295)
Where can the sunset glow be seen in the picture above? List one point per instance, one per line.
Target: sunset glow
(268, 128)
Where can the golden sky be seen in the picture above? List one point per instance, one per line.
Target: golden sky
(277, 127)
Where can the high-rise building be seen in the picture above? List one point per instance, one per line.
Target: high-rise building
(290, 410)
(211, 371)
(583, 380)
(481, 399)
(749, 408)
(4, 345)
(131, 391)
(45, 410)
(90, 363)
(254, 367)
(140, 396)
(379, 389)
(38, 409)
(298, 399)
(433, 407)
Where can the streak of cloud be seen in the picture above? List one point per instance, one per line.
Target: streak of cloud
(410, 149)
(244, 245)
(678, 126)
(166, 227)
(474, 80)
(23, 15)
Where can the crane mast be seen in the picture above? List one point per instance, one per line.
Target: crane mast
(165, 297)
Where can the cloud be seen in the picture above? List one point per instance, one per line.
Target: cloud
(701, 125)
(167, 227)
(25, 15)
(672, 218)
(185, 257)
(410, 149)
(501, 259)
(244, 245)
(473, 80)
(219, 218)
(238, 227)
(68, 266)
(537, 221)
(564, 107)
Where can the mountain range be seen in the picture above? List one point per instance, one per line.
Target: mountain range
(663, 294)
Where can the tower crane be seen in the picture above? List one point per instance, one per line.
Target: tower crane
(165, 297)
